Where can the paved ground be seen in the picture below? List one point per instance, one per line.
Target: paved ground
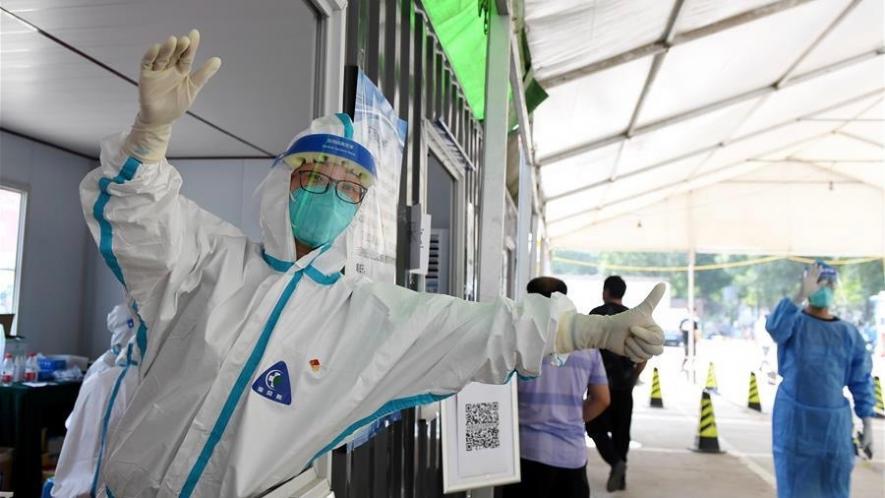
(662, 464)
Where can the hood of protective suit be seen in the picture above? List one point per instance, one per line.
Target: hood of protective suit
(273, 193)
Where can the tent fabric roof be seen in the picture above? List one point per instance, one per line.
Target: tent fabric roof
(773, 109)
(461, 31)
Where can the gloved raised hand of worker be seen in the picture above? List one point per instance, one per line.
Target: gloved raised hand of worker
(166, 90)
(808, 284)
(633, 333)
(866, 439)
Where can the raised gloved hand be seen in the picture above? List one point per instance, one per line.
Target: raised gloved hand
(166, 90)
(866, 440)
(633, 333)
(808, 284)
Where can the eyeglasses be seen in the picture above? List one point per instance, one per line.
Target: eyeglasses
(318, 183)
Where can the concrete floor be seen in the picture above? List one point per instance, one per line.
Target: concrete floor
(661, 463)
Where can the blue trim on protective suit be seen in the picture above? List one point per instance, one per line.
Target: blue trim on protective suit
(386, 409)
(141, 333)
(106, 236)
(127, 172)
(239, 386)
(106, 420)
(347, 123)
(141, 338)
(314, 274)
(320, 277)
(519, 376)
(108, 491)
(277, 264)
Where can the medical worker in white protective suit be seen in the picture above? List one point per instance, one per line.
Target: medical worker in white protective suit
(261, 357)
(100, 403)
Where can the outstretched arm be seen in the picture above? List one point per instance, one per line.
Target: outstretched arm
(443, 343)
(152, 238)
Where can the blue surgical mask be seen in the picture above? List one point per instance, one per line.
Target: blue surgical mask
(317, 219)
(821, 298)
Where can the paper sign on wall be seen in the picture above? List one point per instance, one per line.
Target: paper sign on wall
(372, 238)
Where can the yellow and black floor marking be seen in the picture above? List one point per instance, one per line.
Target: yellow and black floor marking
(657, 399)
(880, 405)
(753, 401)
(707, 440)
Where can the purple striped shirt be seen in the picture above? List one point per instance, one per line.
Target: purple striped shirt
(551, 416)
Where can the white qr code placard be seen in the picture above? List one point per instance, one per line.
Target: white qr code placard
(480, 437)
(482, 429)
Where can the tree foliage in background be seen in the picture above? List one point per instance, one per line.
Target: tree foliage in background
(726, 291)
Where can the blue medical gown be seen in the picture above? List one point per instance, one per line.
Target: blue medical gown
(811, 424)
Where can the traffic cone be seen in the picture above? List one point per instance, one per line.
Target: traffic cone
(711, 380)
(707, 440)
(880, 405)
(657, 400)
(753, 400)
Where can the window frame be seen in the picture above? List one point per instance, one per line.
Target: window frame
(19, 250)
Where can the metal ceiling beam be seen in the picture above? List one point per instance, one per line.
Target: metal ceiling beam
(859, 120)
(658, 47)
(522, 117)
(688, 180)
(656, 64)
(843, 181)
(651, 191)
(861, 139)
(127, 79)
(836, 22)
(708, 108)
(817, 160)
(840, 174)
(713, 147)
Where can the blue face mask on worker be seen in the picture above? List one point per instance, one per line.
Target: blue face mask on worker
(321, 208)
(822, 298)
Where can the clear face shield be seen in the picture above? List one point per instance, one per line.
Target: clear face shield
(325, 190)
(828, 281)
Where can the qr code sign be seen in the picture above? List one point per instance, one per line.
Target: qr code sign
(482, 426)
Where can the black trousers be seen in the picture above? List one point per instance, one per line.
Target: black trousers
(611, 429)
(545, 481)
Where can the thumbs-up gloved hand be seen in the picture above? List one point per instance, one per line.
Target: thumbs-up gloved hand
(633, 333)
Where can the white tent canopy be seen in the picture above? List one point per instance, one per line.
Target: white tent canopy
(720, 126)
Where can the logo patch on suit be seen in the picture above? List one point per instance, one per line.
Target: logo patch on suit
(273, 384)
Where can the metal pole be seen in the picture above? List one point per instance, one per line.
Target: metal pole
(523, 225)
(534, 252)
(692, 347)
(494, 166)
(494, 170)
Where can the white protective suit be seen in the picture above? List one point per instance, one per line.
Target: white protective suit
(100, 403)
(255, 363)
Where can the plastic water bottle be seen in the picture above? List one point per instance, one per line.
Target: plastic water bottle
(7, 374)
(31, 368)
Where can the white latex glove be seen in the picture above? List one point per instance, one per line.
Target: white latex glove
(633, 333)
(866, 440)
(166, 90)
(807, 285)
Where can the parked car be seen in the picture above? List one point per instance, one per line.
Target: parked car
(672, 338)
